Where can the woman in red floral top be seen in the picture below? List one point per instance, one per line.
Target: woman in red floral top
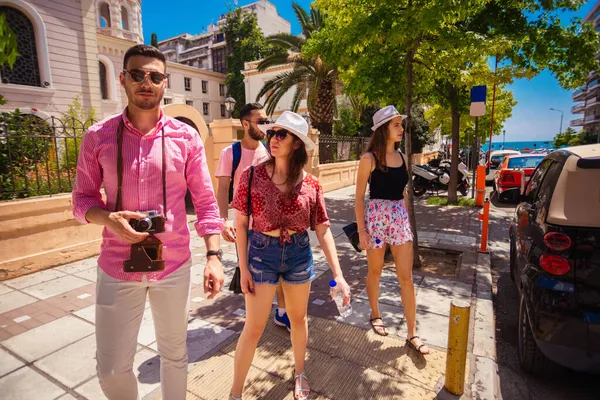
(285, 203)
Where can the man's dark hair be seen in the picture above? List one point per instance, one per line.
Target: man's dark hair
(248, 108)
(146, 51)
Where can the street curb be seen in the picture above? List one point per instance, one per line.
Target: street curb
(485, 384)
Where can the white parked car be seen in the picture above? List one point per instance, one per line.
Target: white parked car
(495, 160)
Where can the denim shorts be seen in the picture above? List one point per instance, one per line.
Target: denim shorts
(268, 260)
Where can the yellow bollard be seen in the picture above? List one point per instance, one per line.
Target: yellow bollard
(458, 337)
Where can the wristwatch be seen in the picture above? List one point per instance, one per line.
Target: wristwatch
(218, 253)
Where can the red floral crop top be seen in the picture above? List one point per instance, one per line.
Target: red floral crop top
(272, 209)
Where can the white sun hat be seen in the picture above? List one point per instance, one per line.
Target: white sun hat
(293, 123)
(384, 115)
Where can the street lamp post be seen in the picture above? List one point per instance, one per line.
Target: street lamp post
(230, 105)
(561, 119)
(503, 137)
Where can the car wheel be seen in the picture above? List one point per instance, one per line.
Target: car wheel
(512, 258)
(531, 359)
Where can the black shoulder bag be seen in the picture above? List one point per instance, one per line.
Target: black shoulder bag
(236, 286)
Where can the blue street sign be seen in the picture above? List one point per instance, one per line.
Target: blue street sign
(478, 101)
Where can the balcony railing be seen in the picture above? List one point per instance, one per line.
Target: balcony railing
(577, 122)
(591, 118)
(192, 54)
(592, 101)
(579, 94)
(592, 85)
(578, 108)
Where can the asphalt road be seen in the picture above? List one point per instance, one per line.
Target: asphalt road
(515, 384)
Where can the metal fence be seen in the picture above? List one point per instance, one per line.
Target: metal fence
(341, 148)
(38, 156)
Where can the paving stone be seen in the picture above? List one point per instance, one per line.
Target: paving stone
(91, 390)
(90, 274)
(8, 363)
(389, 293)
(55, 287)
(78, 266)
(445, 236)
(361, 312)
(88, 313)
(447, 286)
(43, 340)
(466, 239)
(426, 234)
(13, 300)
(4, 289)
(432, 328)
(66, 397)
(34, 279)
(26, 384)
(437, 302)
(73, 364)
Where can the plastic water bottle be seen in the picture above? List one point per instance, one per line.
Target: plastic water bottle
(338, 296)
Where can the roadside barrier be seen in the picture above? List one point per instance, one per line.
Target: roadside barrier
(458, 337)
(484, 216)
(480, 185)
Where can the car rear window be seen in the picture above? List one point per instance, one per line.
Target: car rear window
(496, 160)
(524, 162)
(576, 198)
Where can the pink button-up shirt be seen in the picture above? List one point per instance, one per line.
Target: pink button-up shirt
(142, 189)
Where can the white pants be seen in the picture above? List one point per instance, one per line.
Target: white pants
(119, 311)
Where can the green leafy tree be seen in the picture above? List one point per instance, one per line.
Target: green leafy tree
(246, 43)
(26, 143)
(75, 121)
(8, 47)
(154, 40)
(314, 79)
(570, 137)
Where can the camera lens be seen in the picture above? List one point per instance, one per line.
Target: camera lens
(144, 225)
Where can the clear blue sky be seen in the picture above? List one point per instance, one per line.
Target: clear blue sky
(531, 120)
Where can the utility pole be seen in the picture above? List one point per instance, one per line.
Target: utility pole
(561, 119)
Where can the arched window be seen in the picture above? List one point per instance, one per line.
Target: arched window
(124, 19)
(103, 80)
(26, 70)
(105, 16)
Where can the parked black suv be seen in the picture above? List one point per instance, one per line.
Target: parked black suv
(555, 261)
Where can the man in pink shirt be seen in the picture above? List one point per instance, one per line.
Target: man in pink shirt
(253, 152)
(158, 160)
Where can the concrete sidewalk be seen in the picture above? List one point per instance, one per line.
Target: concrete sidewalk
(47, 342)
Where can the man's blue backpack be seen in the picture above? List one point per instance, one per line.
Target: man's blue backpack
(236, 147)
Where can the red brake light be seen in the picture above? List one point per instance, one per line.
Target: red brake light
(557, 241)
(556, 265)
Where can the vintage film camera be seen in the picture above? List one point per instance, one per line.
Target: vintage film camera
(153, 222)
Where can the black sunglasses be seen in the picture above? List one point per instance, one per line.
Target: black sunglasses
(260, 121)
(281, 134)
(139, 76)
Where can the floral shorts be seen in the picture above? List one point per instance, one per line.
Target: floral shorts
(387, 222)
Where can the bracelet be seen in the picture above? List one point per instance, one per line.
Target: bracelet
(362, 230)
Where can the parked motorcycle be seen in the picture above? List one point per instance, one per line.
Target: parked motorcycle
(437, 178)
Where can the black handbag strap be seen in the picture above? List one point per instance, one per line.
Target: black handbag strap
(249, 200)
(120, 168)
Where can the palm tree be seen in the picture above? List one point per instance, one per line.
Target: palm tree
(314, 80)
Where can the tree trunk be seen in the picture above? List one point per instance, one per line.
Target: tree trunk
(410, 204)
(452, 195)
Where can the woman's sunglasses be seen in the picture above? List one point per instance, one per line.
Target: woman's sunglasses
(139, 76)
(280, 134)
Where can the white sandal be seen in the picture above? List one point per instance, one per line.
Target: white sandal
(298, 387)
(235, 398)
